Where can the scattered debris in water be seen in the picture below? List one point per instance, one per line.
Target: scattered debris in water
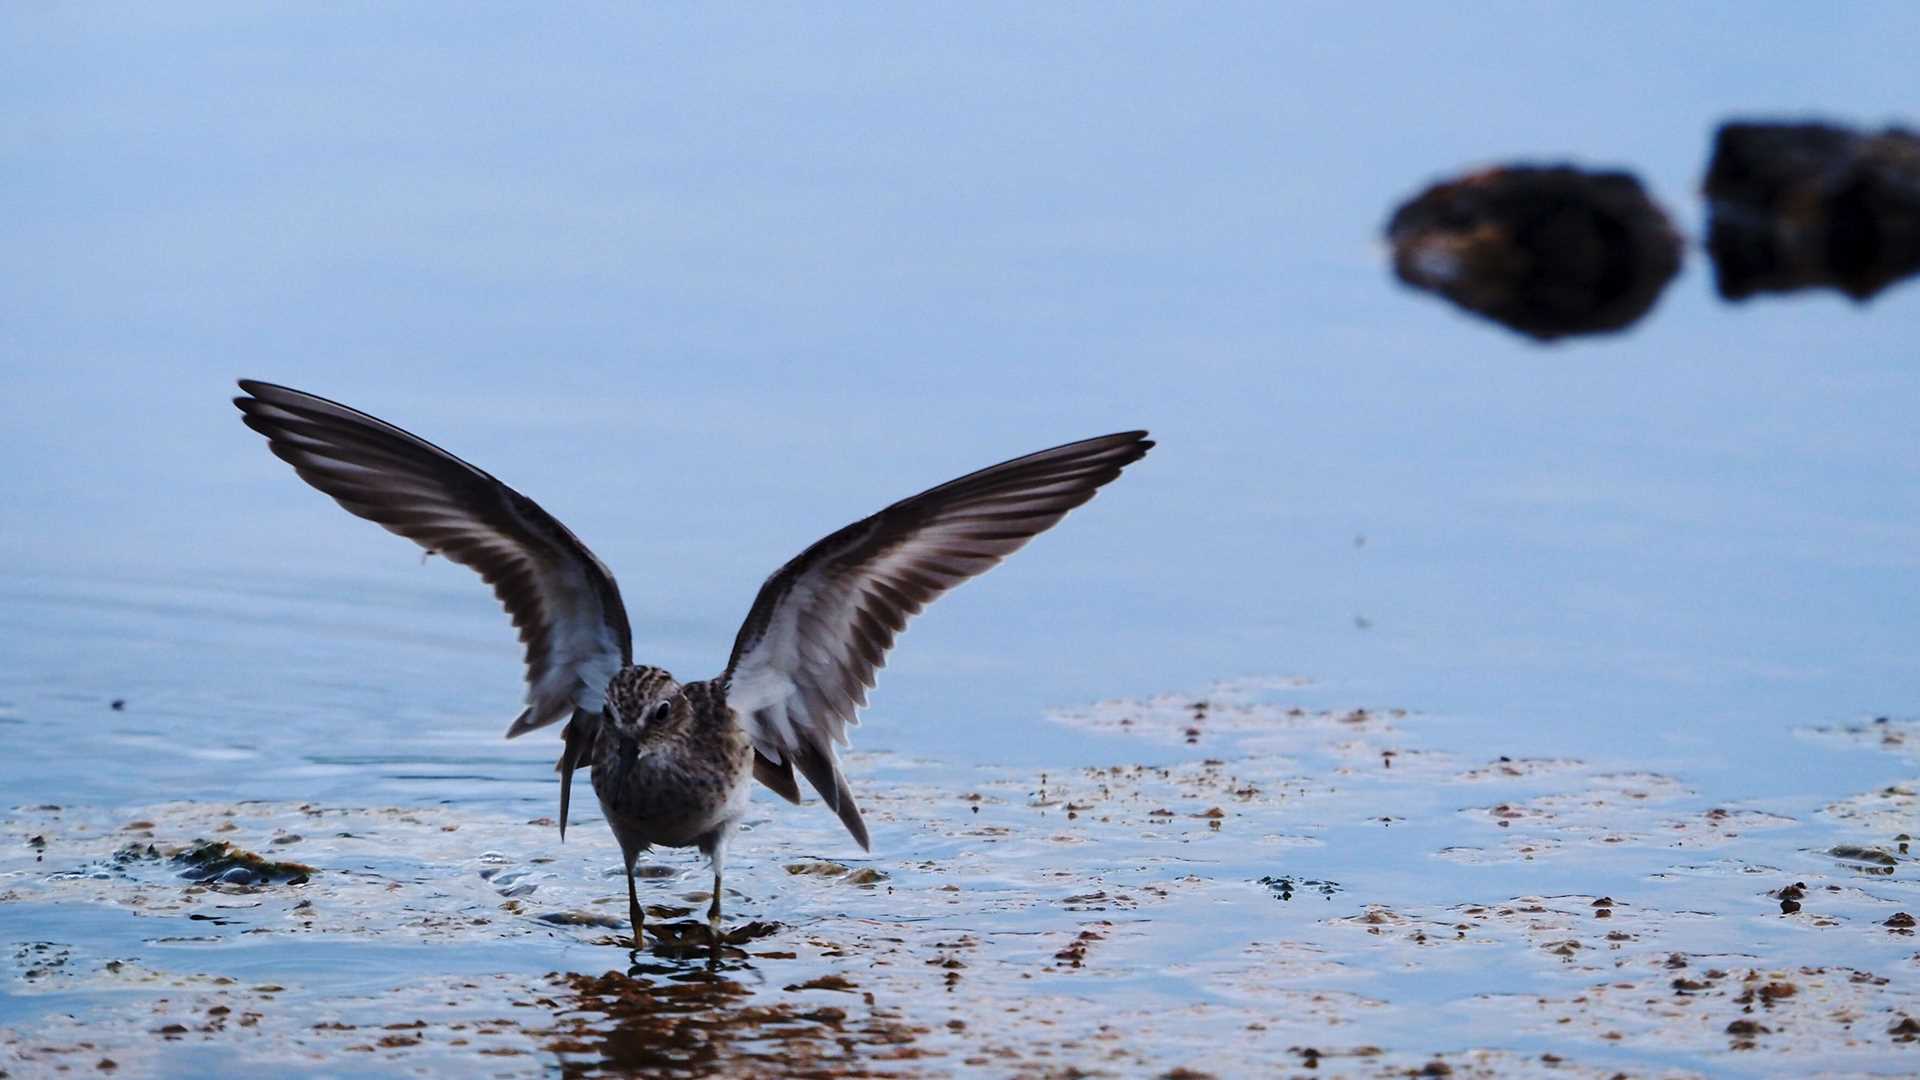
(1549, 251)
(1284, 887)
(1881, 733)
(1866, 859)
(582, 918)
(818, 868)
(1090, 917)
(1804, 205)
(217, 860)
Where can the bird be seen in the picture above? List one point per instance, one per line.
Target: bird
(673, 763)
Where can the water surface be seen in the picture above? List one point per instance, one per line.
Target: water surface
(709, 286)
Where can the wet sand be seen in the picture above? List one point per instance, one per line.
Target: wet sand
(1312, 891)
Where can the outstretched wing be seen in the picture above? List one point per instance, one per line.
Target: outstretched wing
(562, 599)
(821, 627)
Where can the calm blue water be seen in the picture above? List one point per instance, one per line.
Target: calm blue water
(708, 285)
(711, 285)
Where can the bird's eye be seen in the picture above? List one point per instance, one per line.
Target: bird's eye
(662, 711)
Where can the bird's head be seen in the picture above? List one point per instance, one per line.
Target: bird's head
(642, 700)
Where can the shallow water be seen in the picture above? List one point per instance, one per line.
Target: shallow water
(1232, 879)
(1611, 620)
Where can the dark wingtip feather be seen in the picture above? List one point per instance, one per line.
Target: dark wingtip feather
(525, 723)
(850, 812)
(260, 390)
(1140, 444)
(817, 765)
(851, 819)
(565, 768)
(581, 732)
(777, 778)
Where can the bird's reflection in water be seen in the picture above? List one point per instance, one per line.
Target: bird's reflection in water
(687, 1006)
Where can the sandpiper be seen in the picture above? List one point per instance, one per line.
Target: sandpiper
(672, 762)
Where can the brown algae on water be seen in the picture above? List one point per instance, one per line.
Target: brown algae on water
(218, 860)
(1304, 890)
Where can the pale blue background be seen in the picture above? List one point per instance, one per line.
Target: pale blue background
(708, 283)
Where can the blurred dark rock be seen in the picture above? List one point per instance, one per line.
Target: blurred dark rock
(1547, 251)
(1800, 206)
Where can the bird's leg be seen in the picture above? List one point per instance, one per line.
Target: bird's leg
(633, 906)
(718, 855)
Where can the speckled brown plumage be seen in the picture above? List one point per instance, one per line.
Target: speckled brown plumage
(672, 763)
(671, 780)
(671, 767)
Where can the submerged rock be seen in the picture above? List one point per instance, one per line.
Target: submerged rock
(865, 875)
(1801, 206)
(1546, 251)
(581, 918)
(818, 867)
(217, 860)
